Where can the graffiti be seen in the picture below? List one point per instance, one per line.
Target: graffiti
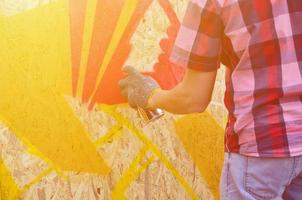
(65, 129)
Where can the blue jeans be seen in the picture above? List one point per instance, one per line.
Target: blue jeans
(251, 178)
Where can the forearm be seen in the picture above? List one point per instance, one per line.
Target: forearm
(179, 100)
(191, 95)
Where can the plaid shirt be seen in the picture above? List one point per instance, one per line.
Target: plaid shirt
(260, 42)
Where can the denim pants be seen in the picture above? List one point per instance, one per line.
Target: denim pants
(251, 178)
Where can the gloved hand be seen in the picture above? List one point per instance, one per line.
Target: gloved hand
(137, 87)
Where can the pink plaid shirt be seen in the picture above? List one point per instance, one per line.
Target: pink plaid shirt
(260, 42)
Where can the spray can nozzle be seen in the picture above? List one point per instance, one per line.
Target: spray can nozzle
(150, 115)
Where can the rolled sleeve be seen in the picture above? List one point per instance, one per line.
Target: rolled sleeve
(198, 43)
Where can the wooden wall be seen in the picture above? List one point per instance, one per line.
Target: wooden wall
(104, 153)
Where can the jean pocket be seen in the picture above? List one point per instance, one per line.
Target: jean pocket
(258, 179)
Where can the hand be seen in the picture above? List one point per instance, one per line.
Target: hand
(137, 87)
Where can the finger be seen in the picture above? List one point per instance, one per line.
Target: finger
(130, 70)
(123, 83)
(132, 104)
(131, 100)
(125, 93)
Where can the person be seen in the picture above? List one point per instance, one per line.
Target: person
(260, 43)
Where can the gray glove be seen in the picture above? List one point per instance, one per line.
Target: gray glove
(137, 87)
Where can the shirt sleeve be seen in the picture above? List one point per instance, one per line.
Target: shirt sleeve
(198, 43)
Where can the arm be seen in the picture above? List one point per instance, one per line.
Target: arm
(198, 48)
(193, 94)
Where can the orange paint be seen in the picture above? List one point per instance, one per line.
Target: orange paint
(77, 17)
(37, 77)
(112, 95)
(166, 73)
(107, 13)
(166, 5)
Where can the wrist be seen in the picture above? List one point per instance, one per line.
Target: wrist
(151, 103)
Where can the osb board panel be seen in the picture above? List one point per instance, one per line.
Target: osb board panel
(8, 188)
(34, 84)
(119, 153)
(217, 108)
(154, 162)
(147, 37)
(203, 143)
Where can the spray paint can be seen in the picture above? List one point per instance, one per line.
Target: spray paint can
(150, 115)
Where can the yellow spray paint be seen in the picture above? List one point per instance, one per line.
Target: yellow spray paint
(88, 28)
(111, 110)
(32, 149)
(202, 137)
(8, 188)
(113, 134)
(124, 18)
(36, 180)
(137, 167)
(33, 84)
